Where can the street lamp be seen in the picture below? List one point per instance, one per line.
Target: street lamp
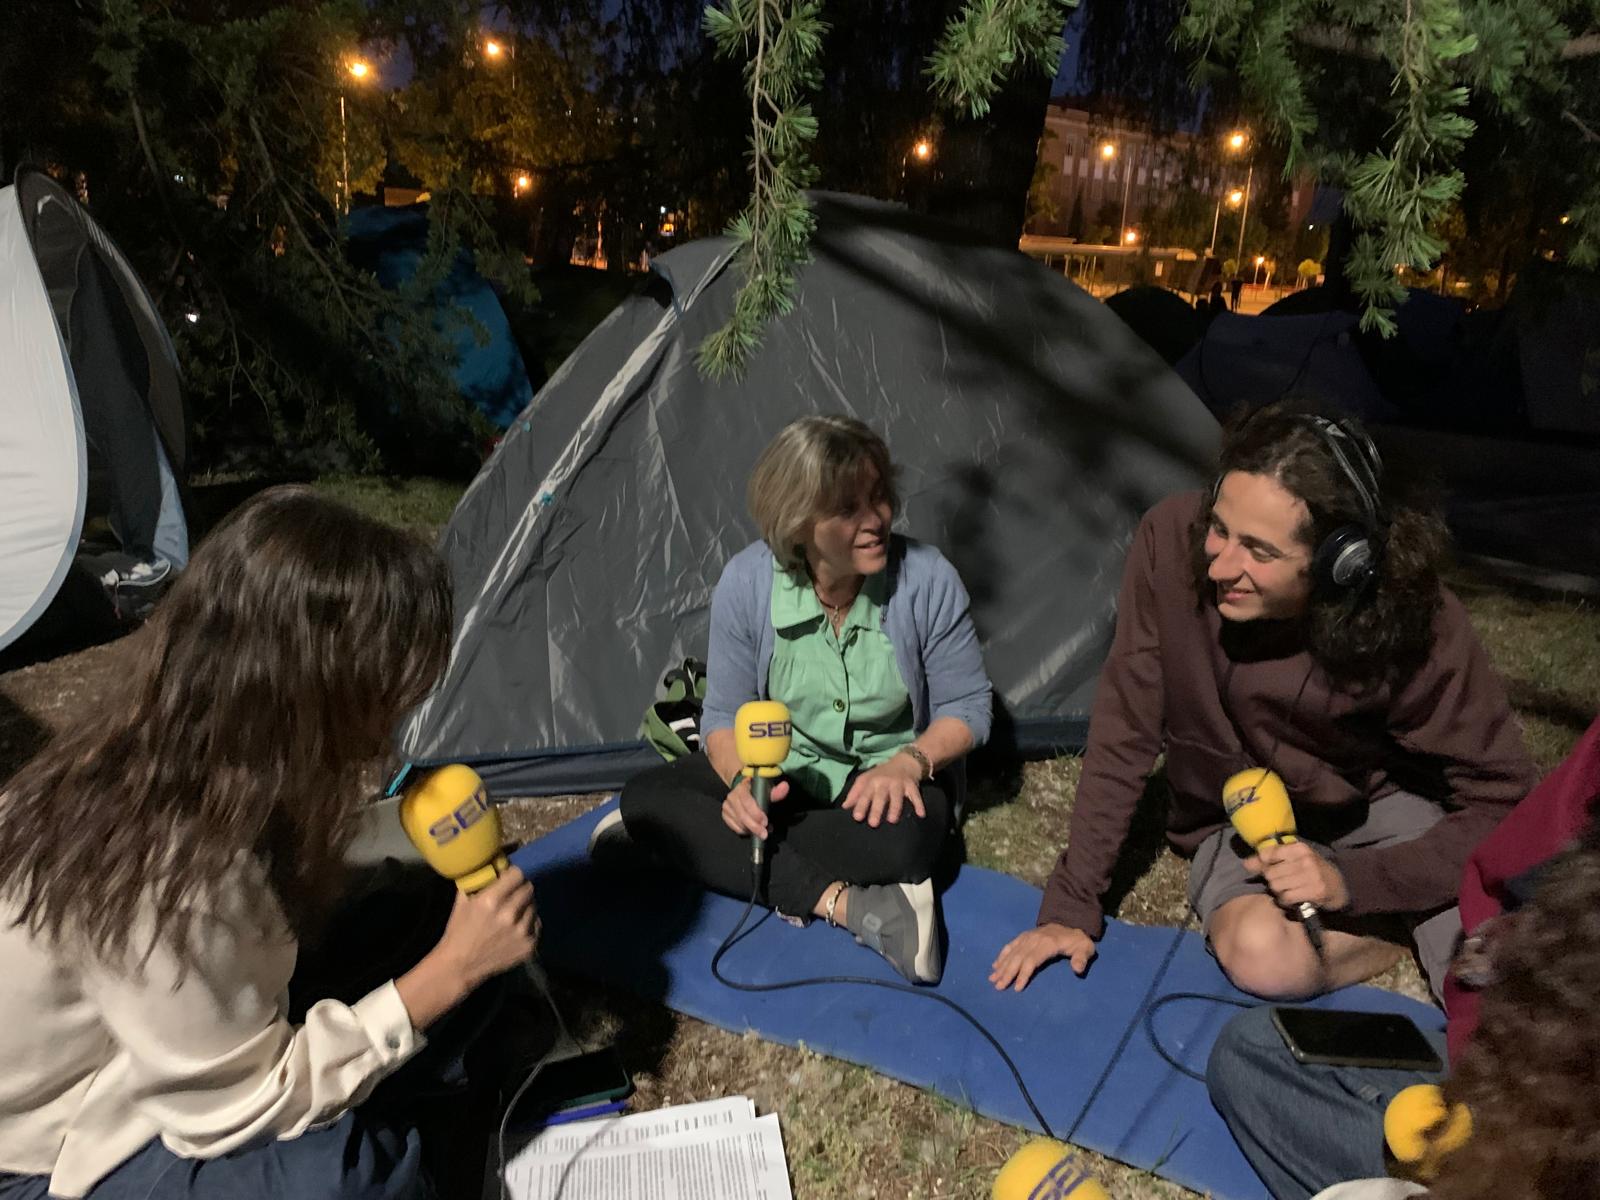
(1234, 198)
(1238, 140)
(359, 70)
(1108, 151)
(522, 182)
(1260, 261)
(494, 48)
(1235, 141)
(922, 151)
(1130, 236)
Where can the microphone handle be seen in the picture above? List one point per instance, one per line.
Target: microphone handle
(761, 789)
(1312, 921)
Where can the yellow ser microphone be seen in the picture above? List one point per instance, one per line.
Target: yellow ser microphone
(1407, 1120)
(761, 735)
(1046, 1170)
(448, 817)
(1258, 805)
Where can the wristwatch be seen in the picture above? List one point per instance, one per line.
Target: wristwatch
(922, 761)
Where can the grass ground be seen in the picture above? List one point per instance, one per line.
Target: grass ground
(851, 1133)
(839, 1119)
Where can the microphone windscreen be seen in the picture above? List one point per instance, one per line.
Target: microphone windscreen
(448, 817)
(761, 733)
(1409, 1117)
(1046, 1168)
(1258, 805)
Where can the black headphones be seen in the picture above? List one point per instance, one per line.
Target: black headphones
(1348, 557)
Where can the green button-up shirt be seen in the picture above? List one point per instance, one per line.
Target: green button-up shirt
(848, 705)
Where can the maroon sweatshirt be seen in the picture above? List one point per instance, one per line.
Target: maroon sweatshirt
(1446, 734)
(1553, 816)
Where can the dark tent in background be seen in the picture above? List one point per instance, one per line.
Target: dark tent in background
(391, 242)
(1164, 320)
(1032, 428)
(93, 440)
(1251, 361)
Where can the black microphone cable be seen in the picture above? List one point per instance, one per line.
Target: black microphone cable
(734, 936)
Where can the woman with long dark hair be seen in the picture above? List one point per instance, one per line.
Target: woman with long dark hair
(1291, 617)
(162, 857)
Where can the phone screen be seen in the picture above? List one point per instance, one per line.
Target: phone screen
(1357, 1038)
(584, 1079)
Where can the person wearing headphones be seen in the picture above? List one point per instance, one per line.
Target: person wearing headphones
(1292, 617)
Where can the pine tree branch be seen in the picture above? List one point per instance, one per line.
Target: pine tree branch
(1589, 135)
(1341, 41)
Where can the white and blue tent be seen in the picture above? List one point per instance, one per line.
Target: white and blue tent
(91, 417)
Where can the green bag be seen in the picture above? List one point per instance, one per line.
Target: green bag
(672, 723)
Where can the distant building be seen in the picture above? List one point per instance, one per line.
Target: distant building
(1145, 174)
(1149, 171)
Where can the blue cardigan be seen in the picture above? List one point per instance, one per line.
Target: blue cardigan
(927, 618)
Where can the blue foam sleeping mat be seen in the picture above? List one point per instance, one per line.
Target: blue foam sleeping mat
(1080, 1044)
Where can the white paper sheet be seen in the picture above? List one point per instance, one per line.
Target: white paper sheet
(715, 1158)
(638, 1127)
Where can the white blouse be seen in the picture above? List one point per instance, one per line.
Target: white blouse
(97, 1058)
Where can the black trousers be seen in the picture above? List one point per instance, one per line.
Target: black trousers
(675, 810)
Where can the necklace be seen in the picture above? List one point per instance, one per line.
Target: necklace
(836, 612)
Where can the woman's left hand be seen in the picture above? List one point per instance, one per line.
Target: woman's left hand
(881, 793)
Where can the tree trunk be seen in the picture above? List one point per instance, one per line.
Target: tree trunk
(986, 166)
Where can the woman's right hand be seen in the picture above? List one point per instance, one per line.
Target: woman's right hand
(492, 930)
(1027, 952)
(743, 815)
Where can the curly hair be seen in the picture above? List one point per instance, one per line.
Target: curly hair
(1383, 630)
(245, 710)
(1530, 1076)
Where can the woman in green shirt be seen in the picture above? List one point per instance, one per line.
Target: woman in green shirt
(868, 638)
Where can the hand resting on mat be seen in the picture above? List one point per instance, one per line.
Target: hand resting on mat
(1027, 952)
(882, 793)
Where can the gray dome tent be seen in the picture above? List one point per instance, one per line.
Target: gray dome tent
(1031, 426)
(92, 396)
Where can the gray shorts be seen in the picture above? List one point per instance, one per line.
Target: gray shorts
(1217, 875)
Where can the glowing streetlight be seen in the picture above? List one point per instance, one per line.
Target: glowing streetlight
(493, 48)
(1236, 197)
(523, 182)
(923, 149)
(1108, 151)
(1130, 236)
(1566, 218)
(360, 70)
(1236, 140)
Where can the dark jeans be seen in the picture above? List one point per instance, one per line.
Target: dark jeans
(349, 1160)
(675, 810)
(1304, 1127)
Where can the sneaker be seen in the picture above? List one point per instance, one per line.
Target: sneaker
(609, 836)
(901, 922)
(611, 846)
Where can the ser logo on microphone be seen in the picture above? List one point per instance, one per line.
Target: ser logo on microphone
(767, 729)
(467, 814)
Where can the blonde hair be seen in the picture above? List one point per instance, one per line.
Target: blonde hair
(810, 469)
